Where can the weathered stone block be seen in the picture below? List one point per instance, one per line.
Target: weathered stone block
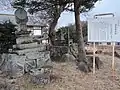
(24, 40)
(40, 48)
(33, 55)
(44, 63)
(13, 65)
(38, 63)
(27, 46)
(16, 58)
(31, 64)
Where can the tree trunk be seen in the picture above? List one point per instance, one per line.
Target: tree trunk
(82, 59)
(52, 30)
(54, 23)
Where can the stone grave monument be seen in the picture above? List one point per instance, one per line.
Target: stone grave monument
(27, 56)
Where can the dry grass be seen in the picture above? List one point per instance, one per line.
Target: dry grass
(69, 78)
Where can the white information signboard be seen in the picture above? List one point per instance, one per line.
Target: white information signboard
(104, 29)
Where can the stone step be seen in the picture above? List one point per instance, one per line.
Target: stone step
(24, 40)
(38, 49)
(26, 46)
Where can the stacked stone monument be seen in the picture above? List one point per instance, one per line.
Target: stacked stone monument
(27, 56)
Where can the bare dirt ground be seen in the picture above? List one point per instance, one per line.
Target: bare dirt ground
(67, 77)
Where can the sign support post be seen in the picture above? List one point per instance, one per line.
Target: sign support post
(94, 57)
(113, 59)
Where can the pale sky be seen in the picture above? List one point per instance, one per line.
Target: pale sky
(103, 6)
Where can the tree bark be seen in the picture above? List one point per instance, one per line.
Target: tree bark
(82, 59)
(52, 31)
(54, 23)
(81, 48)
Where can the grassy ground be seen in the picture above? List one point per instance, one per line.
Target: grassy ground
(67, 77)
